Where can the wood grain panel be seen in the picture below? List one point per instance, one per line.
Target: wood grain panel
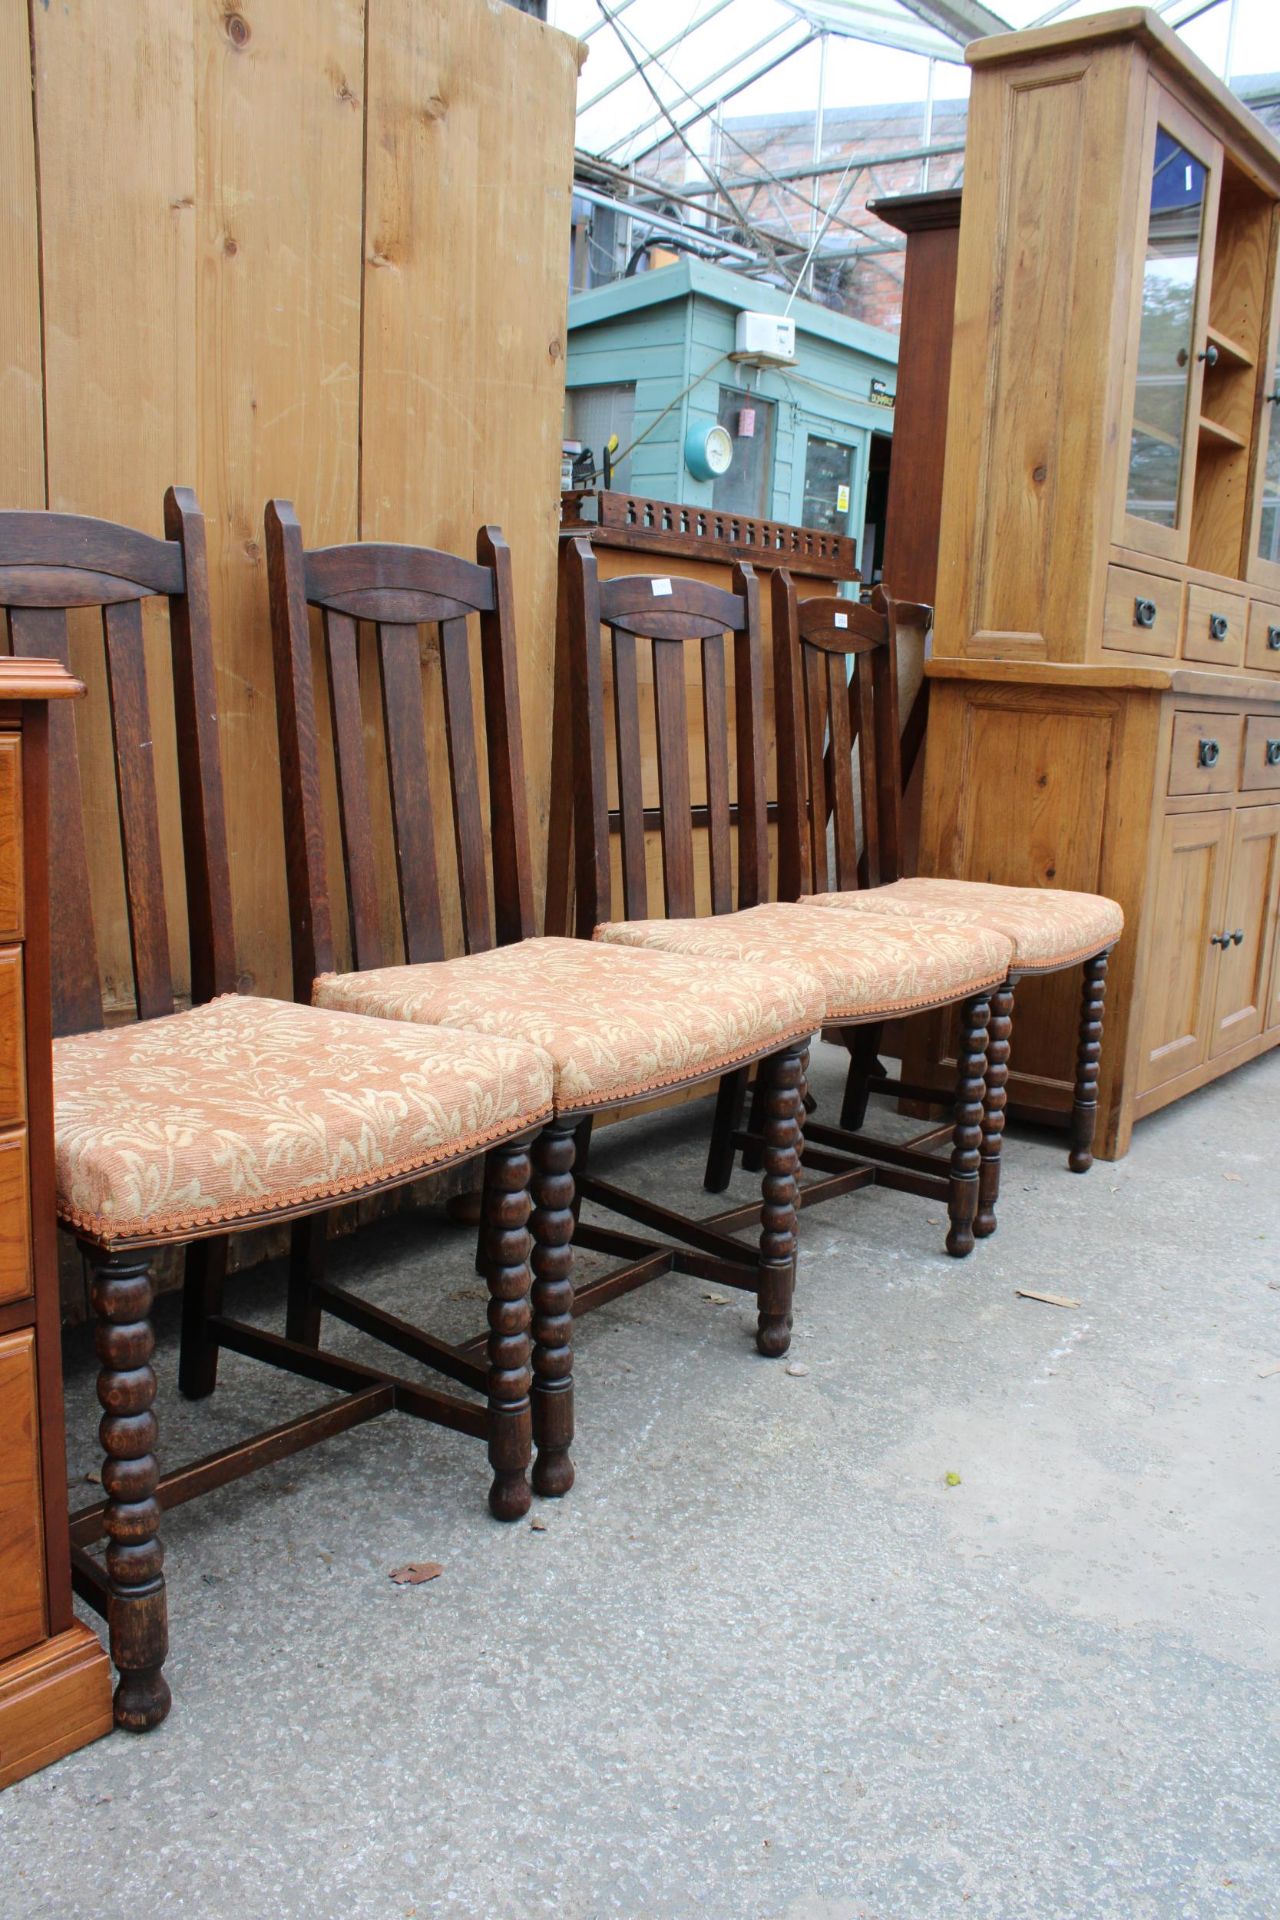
(279, 157)
(1129, 593)
(469, 142)
(11, 864)
(1182, 968)
(15, 1224)
(21, 359)
(1205, 756)
(53, 1699)
(1249, 908)
(1208, 608)
(13, 1092)
(22, 1599)
(1262, 646)
(116, 122)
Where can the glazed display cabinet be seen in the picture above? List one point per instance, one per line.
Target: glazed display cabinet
(1106, 674)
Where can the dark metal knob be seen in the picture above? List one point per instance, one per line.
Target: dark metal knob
(1209, 356)
(1273, 639)
(1218, 624)
(1273, 399)
(1209, 754)
(1219, 939)
(1271, 753)
(1144, 613)
(1238, 936)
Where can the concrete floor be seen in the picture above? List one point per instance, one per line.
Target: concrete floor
(764, 1661)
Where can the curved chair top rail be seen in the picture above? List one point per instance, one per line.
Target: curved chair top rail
(402, 585)
(69, 560)
(660, 606)
(841, 626)
(52, 564)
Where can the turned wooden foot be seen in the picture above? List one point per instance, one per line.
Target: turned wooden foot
(730, 1100)
(971, 1074)
(306, 1265)
(999, 1027)
(137, 1612)
(782, 1109)
(1084, 1104)
(203, 1275)
(504, 1253)
(553, 1224)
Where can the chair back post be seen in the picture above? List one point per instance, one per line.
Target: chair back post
(210, 922)
(748, 695)
(508, 804)
(795, 865)
(889, 732)
(305, 862)
(580, 588)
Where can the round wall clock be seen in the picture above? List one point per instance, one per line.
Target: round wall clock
(708, 450)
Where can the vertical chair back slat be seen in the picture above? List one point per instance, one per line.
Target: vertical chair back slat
(626, 720)
(817, 643)
(675, 806)
(134, 743)
(399, 591)
(748, 697)
(49, 563)
(41, 633)
(861, 688)
(404, 720)
(840, 764)
(355, 812)
(715, 737)
(464, 774)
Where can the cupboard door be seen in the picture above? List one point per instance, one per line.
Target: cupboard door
(1168, 329)
(1190, 889)
(1264, 517)
(22, 1608)
(1248, 922)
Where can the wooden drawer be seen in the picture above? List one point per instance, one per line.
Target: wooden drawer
(22, 1595)
(1142, 612)
(1215, 626)
(10, 837)
(1262, 647)
(13, 1092)
(1206, 752)
(15, 1224)
(1261, 765)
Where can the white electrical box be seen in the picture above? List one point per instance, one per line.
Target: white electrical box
(765, 338)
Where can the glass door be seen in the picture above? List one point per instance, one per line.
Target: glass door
(1169, 330)
(1264, 545)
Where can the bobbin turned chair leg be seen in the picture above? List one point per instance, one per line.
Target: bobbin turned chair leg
(1084, 1104)
(504, 1247)
(971, 1072)
(782, 1111)
(999, 1028)
(553, 1224)
(137, 1610)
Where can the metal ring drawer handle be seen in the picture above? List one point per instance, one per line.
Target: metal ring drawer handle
(1273, 639)
(1271, 753)
(1210, 753)
(1144, 613)
(1218, 626)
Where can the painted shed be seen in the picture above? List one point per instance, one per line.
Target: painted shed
(651, 358)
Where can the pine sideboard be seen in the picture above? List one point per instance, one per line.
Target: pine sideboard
(55, 1680)
(1105, 680)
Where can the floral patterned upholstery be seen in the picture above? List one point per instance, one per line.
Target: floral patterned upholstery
(245, 1108)
(868, 967)
(1049, 927)
(616, 1024)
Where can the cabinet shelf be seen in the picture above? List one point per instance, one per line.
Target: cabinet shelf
(1221, 439)
(1230, 352)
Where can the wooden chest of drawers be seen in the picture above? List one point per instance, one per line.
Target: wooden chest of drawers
(55, 1691)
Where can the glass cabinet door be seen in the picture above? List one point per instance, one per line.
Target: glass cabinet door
(1179, 210)
(1264, 550)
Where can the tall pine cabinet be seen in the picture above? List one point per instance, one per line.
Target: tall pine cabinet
(1105, 706)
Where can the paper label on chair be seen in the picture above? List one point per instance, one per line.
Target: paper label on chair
(661, 586)
(842, 619)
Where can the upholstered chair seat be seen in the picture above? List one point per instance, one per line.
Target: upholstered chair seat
(1049, 927)
(244, 1110)
(870, 968)
(616, 1024)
